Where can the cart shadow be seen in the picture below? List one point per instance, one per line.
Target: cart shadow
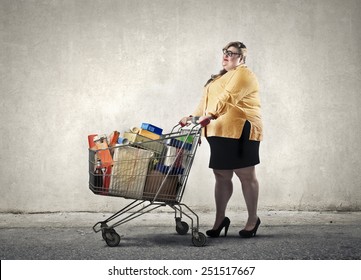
(156, 239)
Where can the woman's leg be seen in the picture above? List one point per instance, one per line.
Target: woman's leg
(222, 193)
(250, 189)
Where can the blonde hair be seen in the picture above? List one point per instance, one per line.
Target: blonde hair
(242, 50)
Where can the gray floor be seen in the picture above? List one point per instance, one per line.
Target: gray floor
(281, 236)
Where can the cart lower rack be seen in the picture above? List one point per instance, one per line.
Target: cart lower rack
(153, 174)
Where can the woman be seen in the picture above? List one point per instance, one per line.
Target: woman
(231, 101)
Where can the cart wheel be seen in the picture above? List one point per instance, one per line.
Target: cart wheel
(182, 228)
(105, 231)
(200, 241)
(111, 238)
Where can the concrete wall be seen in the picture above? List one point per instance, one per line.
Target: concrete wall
(70, 68)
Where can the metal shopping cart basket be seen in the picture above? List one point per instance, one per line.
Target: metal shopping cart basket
(152, 173)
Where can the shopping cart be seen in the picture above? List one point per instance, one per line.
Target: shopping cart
(153, 173)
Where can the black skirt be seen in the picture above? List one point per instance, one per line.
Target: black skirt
(228, 153)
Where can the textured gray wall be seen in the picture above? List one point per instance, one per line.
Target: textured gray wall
(73, 68)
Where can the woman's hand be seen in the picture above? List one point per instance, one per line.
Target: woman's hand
(203, 120)
(185, 121)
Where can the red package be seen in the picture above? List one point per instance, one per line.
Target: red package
(103, 152)
(113, 138)
(91, 141)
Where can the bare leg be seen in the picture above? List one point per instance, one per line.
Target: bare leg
(250, 189)
(222, 193)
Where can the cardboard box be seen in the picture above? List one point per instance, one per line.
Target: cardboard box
(152, 128)
(144, 142)
(149, 134)
(168, 186)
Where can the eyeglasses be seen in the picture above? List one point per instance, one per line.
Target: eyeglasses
(229, 53)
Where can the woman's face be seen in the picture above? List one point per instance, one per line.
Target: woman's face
(231, 58)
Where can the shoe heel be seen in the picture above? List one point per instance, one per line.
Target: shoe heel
(226, 230)
(226, 226)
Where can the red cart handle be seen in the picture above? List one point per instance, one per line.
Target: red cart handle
(205, 122)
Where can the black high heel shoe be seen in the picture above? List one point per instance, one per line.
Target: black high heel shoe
(250, 233)
(215, 232)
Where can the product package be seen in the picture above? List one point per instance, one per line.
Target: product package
(143, 142)
(179, 144)
(149, 134)
(166, 185)
(152, 128)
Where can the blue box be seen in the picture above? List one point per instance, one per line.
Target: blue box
(152, 128)
(178, 144)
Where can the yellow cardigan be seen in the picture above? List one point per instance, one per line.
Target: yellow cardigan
(232, 99)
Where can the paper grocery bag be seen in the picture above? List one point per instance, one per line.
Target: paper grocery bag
(129, 171)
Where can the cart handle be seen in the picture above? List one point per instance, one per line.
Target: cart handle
(205, 122)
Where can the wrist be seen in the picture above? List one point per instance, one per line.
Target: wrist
(211, 116)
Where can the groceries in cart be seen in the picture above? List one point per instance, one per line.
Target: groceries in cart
(146, 165)
(141, 163)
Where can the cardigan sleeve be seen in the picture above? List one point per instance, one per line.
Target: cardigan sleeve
(199, 111)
